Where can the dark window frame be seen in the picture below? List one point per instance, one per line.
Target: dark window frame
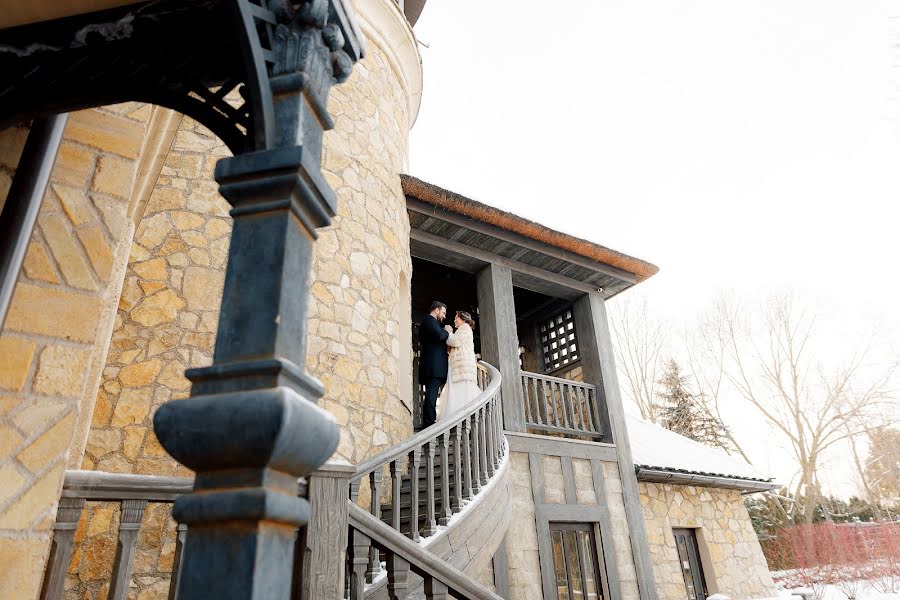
(692, 547)
(595, 545)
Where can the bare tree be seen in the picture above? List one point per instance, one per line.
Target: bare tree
(776, 374)
(707, 349)
(640, 344)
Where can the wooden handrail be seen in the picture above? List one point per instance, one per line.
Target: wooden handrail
(557, 405)
(366, 529)
(418, 440)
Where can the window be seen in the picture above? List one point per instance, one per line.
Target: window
(558, 340)
(575, 565)
(689, 561)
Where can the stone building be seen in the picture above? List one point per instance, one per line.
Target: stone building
(118, 312)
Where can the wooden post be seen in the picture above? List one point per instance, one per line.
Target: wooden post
(67, 516)
(129, 523)
(499, 342)
(599, 367)
(324, 554)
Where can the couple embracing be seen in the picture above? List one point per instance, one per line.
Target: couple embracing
(448, 362)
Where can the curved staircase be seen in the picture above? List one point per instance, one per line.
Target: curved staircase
(436, 508)
(440, 472)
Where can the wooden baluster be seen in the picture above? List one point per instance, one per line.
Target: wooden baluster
(564, 405)
(360, 545)
(483, 426)
(545, 402)
(595, 410)
(578, 421)
(456, 502)
(129, 523)
(180, 535)
(498, 428)
(588, 410)
(489, 437)
(430, 527)
(445, 513)
(476, 454)
(524, 383)
(354, 491)
(467, 458)
(435, 590)
(396, 470)
(398, 577)
(67, 516)
(414, 458)
(375, 509)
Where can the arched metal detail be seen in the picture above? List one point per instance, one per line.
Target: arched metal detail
(212, 60)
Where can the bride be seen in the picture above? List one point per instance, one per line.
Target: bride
(461, 387)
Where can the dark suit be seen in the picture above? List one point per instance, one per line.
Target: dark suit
(432, 365)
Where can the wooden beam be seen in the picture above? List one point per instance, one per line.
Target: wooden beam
(599, 367)
(499, 342)
(456, 255)
(419, 206)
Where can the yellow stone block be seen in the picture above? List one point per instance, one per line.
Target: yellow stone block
(22, 567)
(37, 264)
(105, 131)
(66, 252)
(40, 497)
(55, 313)
(203, 288)
(98, 250)
(152, 269)
(73, 165)
(103, 441)
(61, 371)
(159, 308)
(11, 481)
(132, 408)
(140, 374)
(75, 203)
(114, 176)
(52, 444)
(16, 354)
(134, 437)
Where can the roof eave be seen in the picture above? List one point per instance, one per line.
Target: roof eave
(453, 202)
(746, 486)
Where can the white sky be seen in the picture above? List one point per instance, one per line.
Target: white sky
(751, 146)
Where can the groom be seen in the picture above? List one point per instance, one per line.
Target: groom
(433, 362)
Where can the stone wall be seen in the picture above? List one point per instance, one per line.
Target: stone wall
(56, 334)
(169, 305)
(733, 562)
(523, 551)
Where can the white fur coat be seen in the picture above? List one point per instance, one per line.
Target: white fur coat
(462, 354)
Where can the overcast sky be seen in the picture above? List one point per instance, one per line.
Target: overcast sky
(751, 146)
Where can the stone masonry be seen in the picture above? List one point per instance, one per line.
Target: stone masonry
(168, 312)
(55, 338)
(733, 562)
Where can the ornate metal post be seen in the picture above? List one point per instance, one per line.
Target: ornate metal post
(251, 426)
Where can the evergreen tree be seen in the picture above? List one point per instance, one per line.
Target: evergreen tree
(682, 411)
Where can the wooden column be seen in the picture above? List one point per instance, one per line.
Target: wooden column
(324, 552)
(599, 367)
(499, 343)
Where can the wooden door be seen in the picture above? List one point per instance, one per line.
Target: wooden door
(689, 562)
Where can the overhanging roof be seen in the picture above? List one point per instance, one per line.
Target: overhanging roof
(459, 232)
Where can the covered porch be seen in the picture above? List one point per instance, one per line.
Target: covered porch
(538, 298)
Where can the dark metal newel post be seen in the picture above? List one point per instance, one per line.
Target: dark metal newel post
(251, 427)
(23, 202)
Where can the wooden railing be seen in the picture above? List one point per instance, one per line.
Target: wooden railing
(460, 455)
(555, 405)
(403, 556)
(133, 492)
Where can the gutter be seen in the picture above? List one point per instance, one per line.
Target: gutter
(747, 486)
